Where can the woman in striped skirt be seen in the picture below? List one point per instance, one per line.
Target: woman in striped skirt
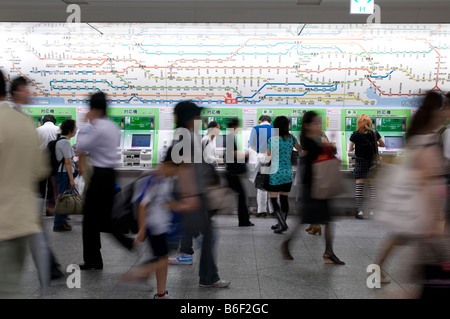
(364, 141)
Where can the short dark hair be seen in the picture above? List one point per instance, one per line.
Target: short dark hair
(98, 101)
(2, 85)
(213, 124)
(186, 111)
(265, 118)
(67, 126)
(49, 118)
(233, 122)
(18, 82)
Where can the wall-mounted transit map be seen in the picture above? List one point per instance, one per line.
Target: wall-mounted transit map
(229, 64)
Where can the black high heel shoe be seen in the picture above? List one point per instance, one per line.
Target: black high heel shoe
(332, 260)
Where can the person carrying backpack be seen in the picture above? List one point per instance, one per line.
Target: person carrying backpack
(154, 220)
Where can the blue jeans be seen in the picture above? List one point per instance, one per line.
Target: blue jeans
(63, 183)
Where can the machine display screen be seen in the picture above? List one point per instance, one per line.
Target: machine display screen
(139, 123)
(394, 142)
(140, 140)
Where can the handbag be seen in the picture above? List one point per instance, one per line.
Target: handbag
(262, 177)
(69, 203)
(220, 199)
(327, 180)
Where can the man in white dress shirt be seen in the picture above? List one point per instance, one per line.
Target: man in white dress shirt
(46, 133)
(100, 138)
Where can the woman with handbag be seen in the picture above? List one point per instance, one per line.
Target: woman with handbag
(65, 178)
(424, 164)
(281, 176)
(365, 142)
(314, 211)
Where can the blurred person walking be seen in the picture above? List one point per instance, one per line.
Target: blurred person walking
(186, 249)
(191, 187)
(20, 93)
(154, 222)
(258, 141)
(445, 141)
(314, 229)
(313, 211)
(100, 138)
(24, 164)
(65, 176)
(425, 160)
(236, 167)
(362, 141)
(279, 150)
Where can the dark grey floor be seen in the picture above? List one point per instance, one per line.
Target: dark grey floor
(249, 257)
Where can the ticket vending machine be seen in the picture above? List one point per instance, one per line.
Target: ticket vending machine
(138, 140)
(390, 124)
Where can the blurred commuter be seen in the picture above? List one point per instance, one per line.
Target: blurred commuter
(154, 222)
(445, 136)
(186, 249)
(236, 167)
(316, 228)
(23, 166)
(191, 188)
(259, 137)
(279, 150)
(100, 138)
(65, 176)
(20, 93)
(362, 141)
(425, 156)
(313, 211)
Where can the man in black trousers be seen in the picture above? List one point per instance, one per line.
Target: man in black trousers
(100, 138)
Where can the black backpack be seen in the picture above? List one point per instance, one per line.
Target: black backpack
(53, 161)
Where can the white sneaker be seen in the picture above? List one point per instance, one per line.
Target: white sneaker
(166, 296)
(219, 284)
(360, 215)
(181, 259)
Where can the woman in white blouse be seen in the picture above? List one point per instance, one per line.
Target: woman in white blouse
(208, 145)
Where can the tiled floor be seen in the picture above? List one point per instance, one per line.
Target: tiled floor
(249, 257)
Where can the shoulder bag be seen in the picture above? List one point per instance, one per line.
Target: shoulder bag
(327, 181)
(69, 203)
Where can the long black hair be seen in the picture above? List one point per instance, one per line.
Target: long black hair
(433, 101)
(308, 117)
(282, 124)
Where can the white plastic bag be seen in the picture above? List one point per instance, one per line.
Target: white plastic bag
(79, 184)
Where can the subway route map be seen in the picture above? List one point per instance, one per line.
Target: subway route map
(229, 64)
